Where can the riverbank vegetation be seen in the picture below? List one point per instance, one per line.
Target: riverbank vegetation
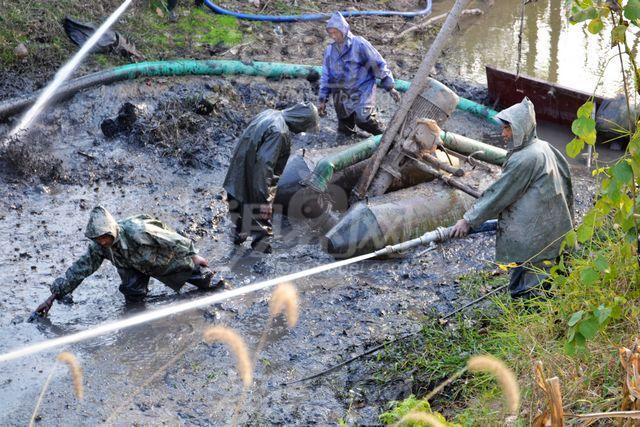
(583, 333)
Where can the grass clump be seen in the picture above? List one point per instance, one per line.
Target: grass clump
(576, 334)
(38, 25)
(413, 412)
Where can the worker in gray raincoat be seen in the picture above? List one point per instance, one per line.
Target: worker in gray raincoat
(349, 71)
(258, 160)
(140, 247)
(532, 199)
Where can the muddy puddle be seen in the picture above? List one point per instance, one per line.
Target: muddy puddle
(342, 312)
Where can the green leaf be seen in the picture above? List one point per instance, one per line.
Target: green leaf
(575, 147)
(575, 318)
(589, 327)
(601, 264)
(602, 313)
(618, 34)
(571, 334)
(569, 241)
(589, 276)
(580, 342)
(584, 14)
(570, 348)
(585, 110)
(583, 126)
(595, 26)
(584, 233)
(604, 12)
(590, 138)
(632, 10)
(622, 172)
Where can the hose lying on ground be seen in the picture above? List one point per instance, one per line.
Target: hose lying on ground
(316, 16)
(185, 67)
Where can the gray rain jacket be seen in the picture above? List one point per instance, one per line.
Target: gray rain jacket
(533, 198)
(262, 152)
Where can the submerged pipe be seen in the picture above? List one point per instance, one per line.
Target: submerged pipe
(186, 67)
(316, 16)
(395, 217)
(328, 166)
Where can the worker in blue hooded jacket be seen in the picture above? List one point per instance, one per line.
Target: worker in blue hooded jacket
(349, 71)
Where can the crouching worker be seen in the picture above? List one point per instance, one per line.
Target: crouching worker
(258, 160)
(532, 199)
(140, 247)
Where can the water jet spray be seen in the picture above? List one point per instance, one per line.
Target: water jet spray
(439, 235)
(64, 73)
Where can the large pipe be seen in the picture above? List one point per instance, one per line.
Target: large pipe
(325, 169)
(316, 16)
(185, 67)
(396, 217)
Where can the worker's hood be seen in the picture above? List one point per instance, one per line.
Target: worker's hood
(338, 22)
(522, 119)
(100, 223)
(301, 117)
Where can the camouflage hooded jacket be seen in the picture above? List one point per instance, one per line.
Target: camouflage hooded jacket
(532, 199)
(141, 243)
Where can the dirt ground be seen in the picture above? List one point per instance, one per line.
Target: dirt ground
(50, 182)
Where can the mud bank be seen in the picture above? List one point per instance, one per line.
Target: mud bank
(343, 312)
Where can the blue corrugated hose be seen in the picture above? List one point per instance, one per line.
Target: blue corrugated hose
(316, 16)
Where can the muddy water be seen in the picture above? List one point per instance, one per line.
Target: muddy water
(552, 48)
(342, 312)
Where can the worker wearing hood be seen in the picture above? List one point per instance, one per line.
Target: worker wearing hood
(532, 199)
(140, 247)
(349, 71)
(258, 160)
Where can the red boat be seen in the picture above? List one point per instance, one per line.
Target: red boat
(553, 102)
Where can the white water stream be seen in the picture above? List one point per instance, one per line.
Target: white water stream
(174, 309)
(66, 71)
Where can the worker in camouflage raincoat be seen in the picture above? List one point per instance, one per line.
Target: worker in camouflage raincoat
(140, 247)
(532, 199)
(258, 160)
(349, 71)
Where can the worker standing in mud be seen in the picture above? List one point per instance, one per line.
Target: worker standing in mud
(349, 71)
(532, 199)
(140, 247)
(258, 160)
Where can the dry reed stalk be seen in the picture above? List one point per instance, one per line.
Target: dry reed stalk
(75, 370)
(419, 417)
(553, 415)
(630, 360)
(76, 375)
(635, 415)
(238, 348)
(285, 300)
(505, 376)
(32, 421)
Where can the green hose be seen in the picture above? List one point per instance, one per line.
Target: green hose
(186, 67)
(328, 166)
(325, 168)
